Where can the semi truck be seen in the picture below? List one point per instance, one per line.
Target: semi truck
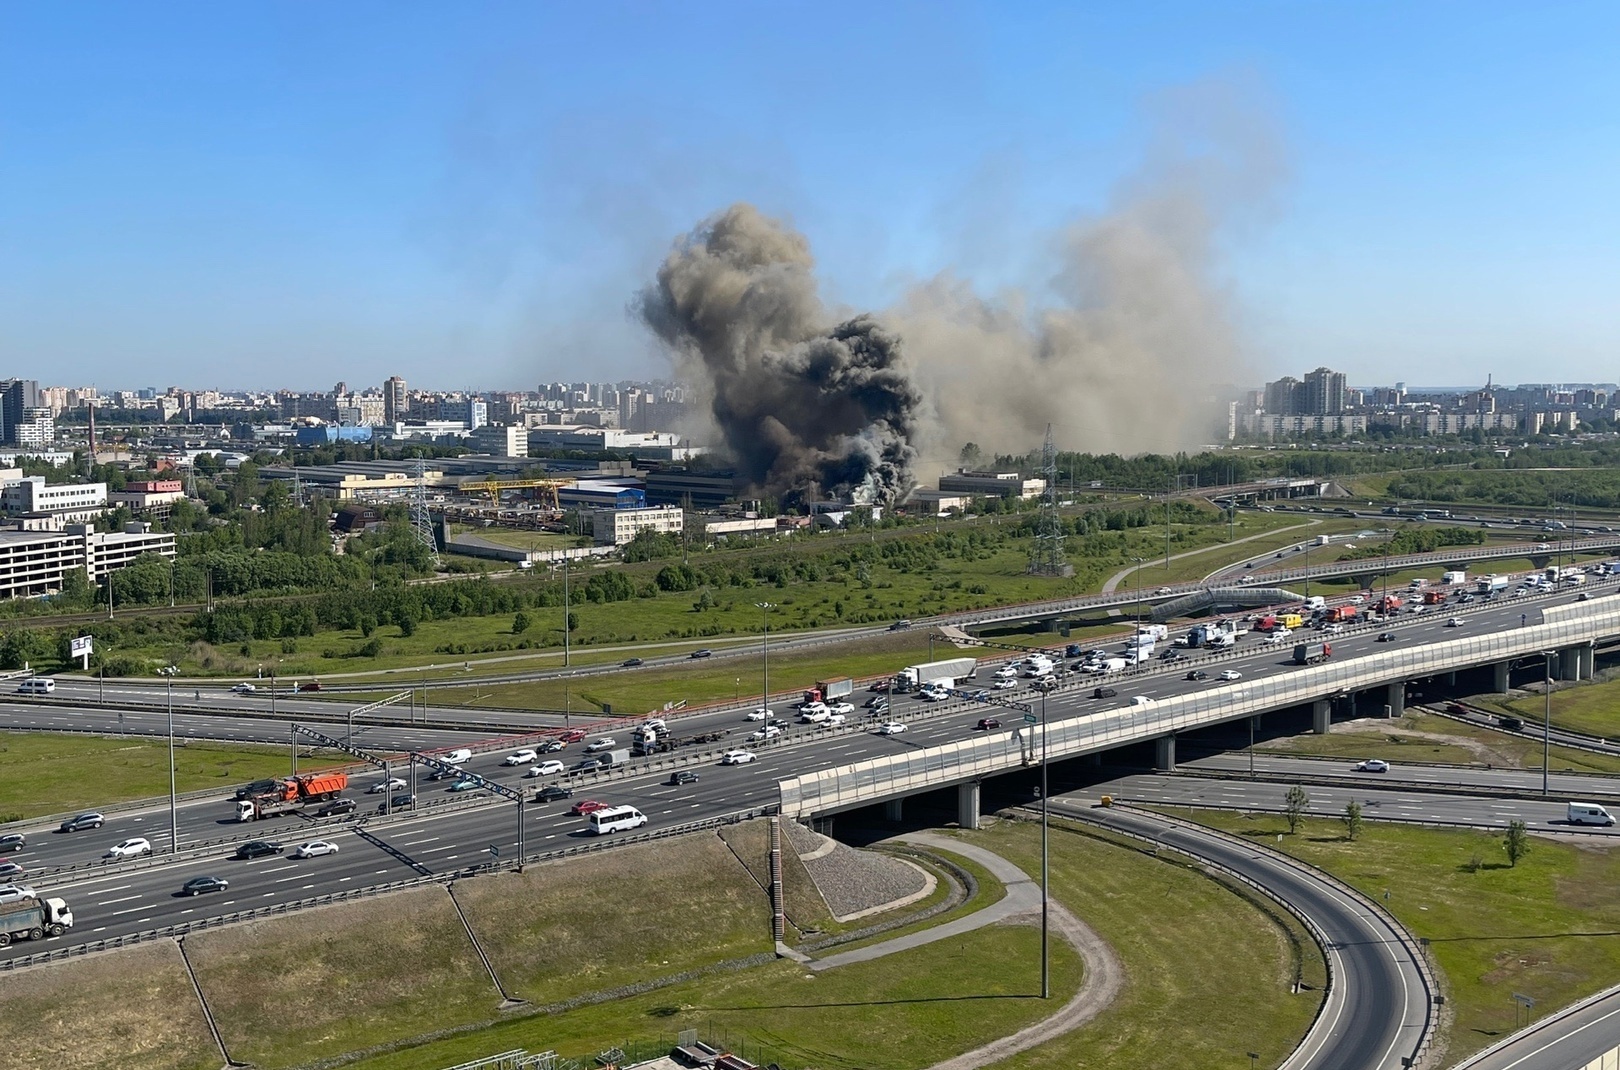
(947, 673)
(1311, 653)
(33, 919)
(288, 795)
(830, 691)
(653, 739)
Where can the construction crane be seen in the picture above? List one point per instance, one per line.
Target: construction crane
(546, 489)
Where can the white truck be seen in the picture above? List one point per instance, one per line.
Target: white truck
(33, 919)
(948, 672)
(1489, 585)
(1220, 641)
(1153, 632)
(1108, 665)
(1454, 578)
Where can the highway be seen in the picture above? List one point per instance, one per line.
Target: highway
(1565, 1040)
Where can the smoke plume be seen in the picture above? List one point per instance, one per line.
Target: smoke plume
(803, 404)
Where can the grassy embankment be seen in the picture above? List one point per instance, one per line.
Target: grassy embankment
(1421, 737)
(1548, 928)
(45, 773)
(1593, 708)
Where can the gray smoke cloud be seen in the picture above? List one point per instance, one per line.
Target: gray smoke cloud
(803, 403)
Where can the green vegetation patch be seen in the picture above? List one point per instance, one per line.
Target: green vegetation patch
(1424, 737)
(46, 773)
(1548, 928)
(750, 842)
(325, 982)
(132, 1009)
(587, 924)
(1591, 708)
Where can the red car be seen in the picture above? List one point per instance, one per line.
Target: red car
(310, 685)
(573, 735)
(587, 806)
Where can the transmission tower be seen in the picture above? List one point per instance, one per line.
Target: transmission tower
(421, 521)
(1046, 556)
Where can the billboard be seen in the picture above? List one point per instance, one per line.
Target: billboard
(80, 647)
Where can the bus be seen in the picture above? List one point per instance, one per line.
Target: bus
(615, 819)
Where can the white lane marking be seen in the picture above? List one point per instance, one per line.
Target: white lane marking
(121, 899)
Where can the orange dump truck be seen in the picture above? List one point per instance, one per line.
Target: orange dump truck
(290, 794)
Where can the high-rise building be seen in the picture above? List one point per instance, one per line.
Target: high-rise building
(1324, 393)
(1283, 396)
(396, 400)
(16, 397)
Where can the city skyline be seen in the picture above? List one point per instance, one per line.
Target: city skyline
(273, 191)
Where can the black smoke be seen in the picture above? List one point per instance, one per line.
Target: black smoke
(805, 406)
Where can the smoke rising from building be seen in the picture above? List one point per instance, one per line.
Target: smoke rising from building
(802, 403)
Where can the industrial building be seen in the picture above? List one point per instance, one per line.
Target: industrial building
(991, 484)
(500, 441)
(603, 494)
(153, 498)
(34, 563)
(615, 527)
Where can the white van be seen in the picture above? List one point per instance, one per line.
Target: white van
(457, 757)
(615, 819)
(37, 685)
(1589, 814)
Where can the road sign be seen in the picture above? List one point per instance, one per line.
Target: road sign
(1029, 718)
(494, 851)
(80, 646)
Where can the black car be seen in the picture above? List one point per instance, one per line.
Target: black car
(549, 746)
(552, 793)
(402, 801)
(1073, 650)
(81, 822)
(1198, 674)
(1386, 637)
(13, 841)
(335, 807)
(705, 652)
(202, 885)
(630, 663)
(987, 723)
(1511, 724)
(1103, 692)
(682, 776)
(258, 849)
(899, 625)
(1170, 655)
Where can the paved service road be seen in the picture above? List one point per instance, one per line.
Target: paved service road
(1565, 1040)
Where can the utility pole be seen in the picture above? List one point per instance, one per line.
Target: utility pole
(764, 656)
(566, 628)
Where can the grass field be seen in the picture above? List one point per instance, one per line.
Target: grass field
(132, 1009)
(1548, 928)
(1421, 737)
(47, 773)
(1592, 708)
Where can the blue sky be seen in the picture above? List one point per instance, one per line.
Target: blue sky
(469, 195)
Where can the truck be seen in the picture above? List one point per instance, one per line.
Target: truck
(290, 794)
(1418, 584)
(946, 672)
(1154, 632)
(1489, 585)
(830, 690)
(1314, 603)
(1311, 653)
(1454, 577)
(33, 919)
(1221, 641)
(1107, 665)
(1324, 540)
(614, 758)
(1575, 579)
(1291, 621)
(1267, 623)
(1341, 614)
(1433, 597)
(653, 739)
(1387, 605)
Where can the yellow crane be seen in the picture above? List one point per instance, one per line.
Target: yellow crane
(546, 489)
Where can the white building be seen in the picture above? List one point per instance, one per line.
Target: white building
(991, 485)
(64, 502)
(500, 441)
(37, 562)
(36, 429)
(615, 527)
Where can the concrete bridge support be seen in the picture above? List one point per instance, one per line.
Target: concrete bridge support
(1500, 669)
(967, 805)
(1589, 661)
(1321, 716)
(1569, 664)
(1396, 703)
(893, 809)
(1164, 754)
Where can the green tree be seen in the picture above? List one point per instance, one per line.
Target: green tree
(1517, 841)
(520, 622)
(1294, 805)
(1352, 819)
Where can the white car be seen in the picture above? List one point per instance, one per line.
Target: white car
(1006, 672)
(761, 713)
(770, 731)
(1004, 685)
(1231, 674)
(843, 709)
(605, 743)
(932, 695)
(1454, 622)
(133, 847)
(811, 709)
(547, 768)
(10, 893)
(1372, 765)
(244, 688)
(737, 757)
(391, 784)
(522, 757)
(833, 721)
(315, 848)
(891, 728)
(1276, 638)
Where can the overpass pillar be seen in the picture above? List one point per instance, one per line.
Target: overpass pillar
(893, 809)
(967, 805)
(1164, 754)
(1569, 664)
(1396, 705)
(1500, 669)
(1321, 716)
(1589, 661)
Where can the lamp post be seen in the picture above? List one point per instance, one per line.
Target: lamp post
(764, 654)
(1046, 962)
(1138, 575)
(566, 629)
(174, 817)
(1546, 726)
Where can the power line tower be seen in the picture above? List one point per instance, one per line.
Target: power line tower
(1046, 556)
(421, 520)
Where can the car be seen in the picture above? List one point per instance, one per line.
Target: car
(769, 731)
(1510, 723)
(737, 757)
(605, 743)
(391, 784)
(1386, 637)
(1171, 655)
(204, 885)
(522, 757)
(550, 746)
(257, 849)
(682, 776)
(1332, 629)
(80, 822)
(1455, 622)
(1372, 765)
(310, 685)
(13, 841)
(1045, 683)
(1197, 674)
(1583, 596)
(1162, 590)
(899, 625)
(133, 847)
(762, 713)
(10, 893)
(403, 801)
(586, 806)
(588, 764)
(243, 688)
(550, 767)
(314, 849)
(10, 870)
(335, 807)
(1004, 685)
(1231, 674)
(466, 783)
(1006, 672)
(1103, 692)
(553, 792)
(573, 735)
(934, 694)
(630, 663)
(987, 723)
(845, 708)
(891, 728)
(833, 720)
(704, 653)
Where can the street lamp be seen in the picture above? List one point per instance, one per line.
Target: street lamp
(1546, 727)
(764, 653)
(1046, 962)
(1138, 575)
(168, 672)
